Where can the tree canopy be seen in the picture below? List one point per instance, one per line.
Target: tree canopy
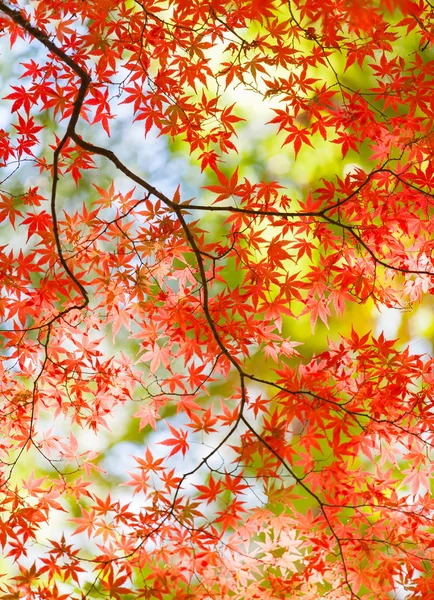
(194, 402)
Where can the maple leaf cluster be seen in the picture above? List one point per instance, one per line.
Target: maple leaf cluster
(267, 471)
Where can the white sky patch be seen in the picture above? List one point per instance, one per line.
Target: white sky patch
(388, 322)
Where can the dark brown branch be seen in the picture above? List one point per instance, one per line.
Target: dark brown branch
(85, 80)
